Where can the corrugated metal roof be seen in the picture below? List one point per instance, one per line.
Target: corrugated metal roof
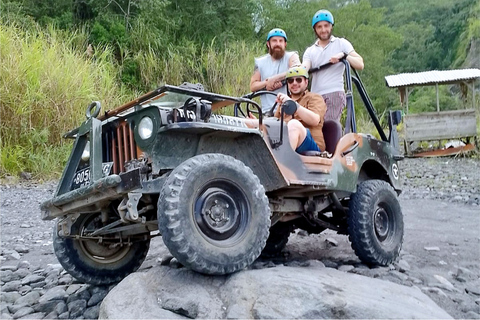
(431, 77)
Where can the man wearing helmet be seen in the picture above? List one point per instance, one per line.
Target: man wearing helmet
(327, 48)
(270, 69)
(305, 125)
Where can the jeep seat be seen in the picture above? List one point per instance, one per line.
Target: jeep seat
(332, 132)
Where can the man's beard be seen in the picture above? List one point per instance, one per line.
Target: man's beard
(325, 38)
(277, 54)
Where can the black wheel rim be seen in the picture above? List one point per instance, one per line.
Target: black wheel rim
(221, 212)
(104, 253)
(384, 223)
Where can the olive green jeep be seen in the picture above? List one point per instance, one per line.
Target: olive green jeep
(218, 192)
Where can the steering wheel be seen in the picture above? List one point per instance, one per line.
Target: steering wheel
(251, 108)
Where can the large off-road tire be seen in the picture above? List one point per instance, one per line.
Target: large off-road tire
(375, 223)
(97, 263)
(213, 214)
(277, 240)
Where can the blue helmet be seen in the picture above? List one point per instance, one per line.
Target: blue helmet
(276, 33)
(322, 15)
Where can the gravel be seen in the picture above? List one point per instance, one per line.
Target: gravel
(34, 286)
(445, 179)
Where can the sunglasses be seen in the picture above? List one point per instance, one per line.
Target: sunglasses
(298, 80)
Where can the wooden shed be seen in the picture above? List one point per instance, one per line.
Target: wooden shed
(439, 125)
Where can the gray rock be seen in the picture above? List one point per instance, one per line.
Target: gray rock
(21, 273)
(402, 266)
(264, 293)
(21, 249)
(52, 315)
(73, 288)
(96, 298)
(76, 308)
(61, 307)
(56, 293)
(330, 264)
(13, 255)
(346, 268)
(65, 315)
(47, 306)
(66, 279)
(11, 286)
(332, 242)
(432, 248)
(36, 315)
(29, 299)
(5, 316)
(23, 290)
(8, 275)
(40, 284)
(188, 308)
(473, 288)
(23, 265)
(9, 297)
(444, 283)
(175, 264)
(472, 315)
(81, 294)
(7, 268)
(23, 312)
(4, 307)
(437, 291)
(92, 312)
(32, 279)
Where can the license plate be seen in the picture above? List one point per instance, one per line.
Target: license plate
(82, 177)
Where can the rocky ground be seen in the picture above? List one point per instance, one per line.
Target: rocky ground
(441, 252)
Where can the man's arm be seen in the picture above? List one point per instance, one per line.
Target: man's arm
(356, 60)
(309, 117)
(256, 82)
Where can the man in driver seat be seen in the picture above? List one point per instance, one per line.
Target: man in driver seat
(305, 125)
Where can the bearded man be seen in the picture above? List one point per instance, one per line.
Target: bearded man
(270, 69)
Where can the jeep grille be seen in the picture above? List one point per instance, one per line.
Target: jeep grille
(119, 145)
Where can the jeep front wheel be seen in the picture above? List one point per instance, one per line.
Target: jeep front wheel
(213, 214)
(375, 223)
(98, 262)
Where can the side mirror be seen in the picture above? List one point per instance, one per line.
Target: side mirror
(396, 117)
(289, 107)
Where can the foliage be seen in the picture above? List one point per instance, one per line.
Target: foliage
(59, 55)
(45, 86)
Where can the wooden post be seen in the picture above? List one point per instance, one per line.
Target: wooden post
(438, 101)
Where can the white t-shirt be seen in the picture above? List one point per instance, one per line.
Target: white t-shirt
(329, 79)
(269, 67)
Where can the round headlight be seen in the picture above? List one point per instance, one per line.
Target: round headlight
(145, 128)
(86, 152)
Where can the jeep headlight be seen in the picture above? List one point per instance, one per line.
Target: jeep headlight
(86, 152)
(145, 128)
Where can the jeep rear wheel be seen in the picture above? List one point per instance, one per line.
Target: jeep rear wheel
(98, 262)
(213, 214)
(375, 223)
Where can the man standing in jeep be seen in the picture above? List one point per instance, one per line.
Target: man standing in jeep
(270, 69)
(305, 125)
(327, 48)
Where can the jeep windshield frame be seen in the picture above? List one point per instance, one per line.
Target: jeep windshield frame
(181, 94)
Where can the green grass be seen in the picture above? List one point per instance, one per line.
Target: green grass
(46, 83)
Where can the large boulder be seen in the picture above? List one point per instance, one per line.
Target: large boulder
(281, 292)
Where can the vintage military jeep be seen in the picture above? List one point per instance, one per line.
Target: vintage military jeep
(219, 193)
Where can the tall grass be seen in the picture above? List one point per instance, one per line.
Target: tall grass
(46, 82)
